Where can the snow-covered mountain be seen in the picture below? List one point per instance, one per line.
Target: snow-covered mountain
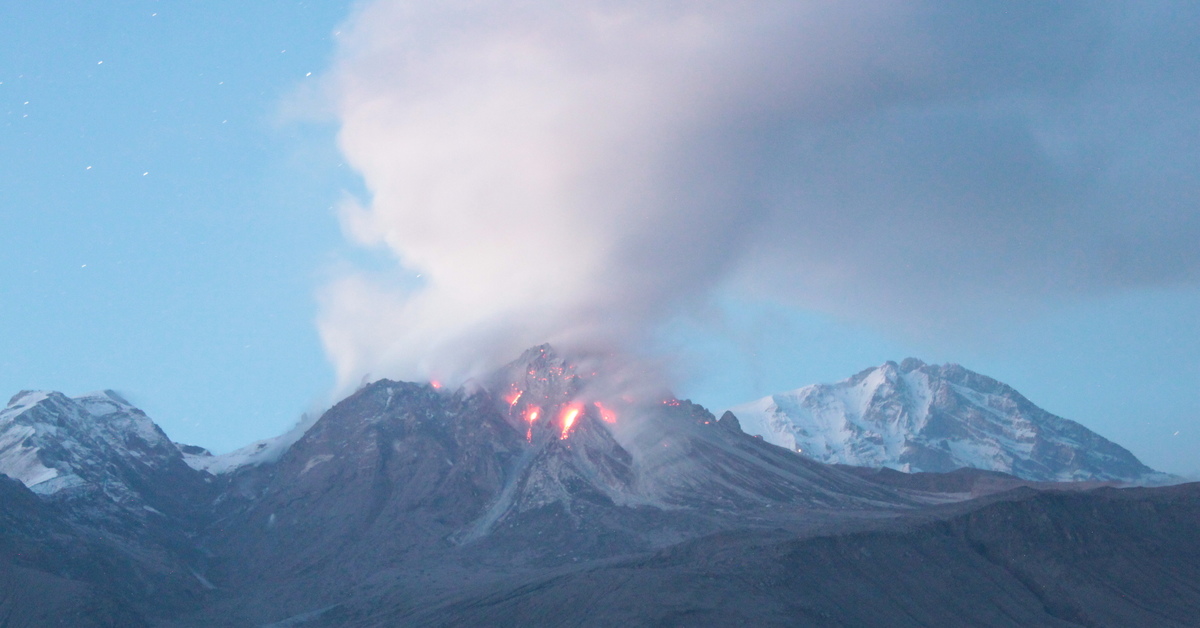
(101, 510)
(102, 460)
(54, 443)
(915, 417)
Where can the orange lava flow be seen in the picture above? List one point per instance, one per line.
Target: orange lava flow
(513, 398)
(530, 416)
(570, 413)
(608, 416)
(435, 384)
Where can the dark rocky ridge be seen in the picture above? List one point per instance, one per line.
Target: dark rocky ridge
(1027, 558)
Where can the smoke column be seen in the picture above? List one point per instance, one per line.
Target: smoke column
(579, 171)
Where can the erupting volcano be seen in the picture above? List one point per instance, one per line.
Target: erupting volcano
(435, 494)
(543, 384)
(662, 451)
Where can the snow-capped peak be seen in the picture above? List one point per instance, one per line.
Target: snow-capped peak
(914, 416)
(51, 442)
(104, 402)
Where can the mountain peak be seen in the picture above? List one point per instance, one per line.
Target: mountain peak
(729, 421)
(920, 417)
(911, 364)
(27, 397)
(106, 395)
(95, 442)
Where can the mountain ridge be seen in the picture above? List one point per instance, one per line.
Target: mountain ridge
(914, 416)
(411, 504)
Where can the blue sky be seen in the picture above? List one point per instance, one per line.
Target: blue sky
(174, 210)
(164, 223)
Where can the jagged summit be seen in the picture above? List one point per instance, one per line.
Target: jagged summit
(551, 397)
(96, 441)
(536, 388)
(114, 487)
(730, 421)
(915, 416)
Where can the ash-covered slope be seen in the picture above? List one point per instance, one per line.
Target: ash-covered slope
(432, 491)
(58, 568)
(657, 450)
(921, 417)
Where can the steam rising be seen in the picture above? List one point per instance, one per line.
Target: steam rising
(578, 171)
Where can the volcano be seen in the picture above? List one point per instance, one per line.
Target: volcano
(545, 495)
(461, 486)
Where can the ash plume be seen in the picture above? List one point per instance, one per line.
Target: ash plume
(577, 172)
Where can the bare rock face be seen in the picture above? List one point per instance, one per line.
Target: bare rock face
(570, 454)
(921, 417)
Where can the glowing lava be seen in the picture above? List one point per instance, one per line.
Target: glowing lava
(607, 415)
(530, 416)
(513, 398)
(570, 413)
(435, 384)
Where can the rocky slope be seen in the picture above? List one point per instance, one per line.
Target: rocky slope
(118, 509)
(430, 491)
(52, 573)
(915, 417)
(1106, 557)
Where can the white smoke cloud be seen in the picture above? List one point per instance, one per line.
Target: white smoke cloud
(577, 171)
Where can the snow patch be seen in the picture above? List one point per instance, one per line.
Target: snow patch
(21, 462)
(265, 451)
